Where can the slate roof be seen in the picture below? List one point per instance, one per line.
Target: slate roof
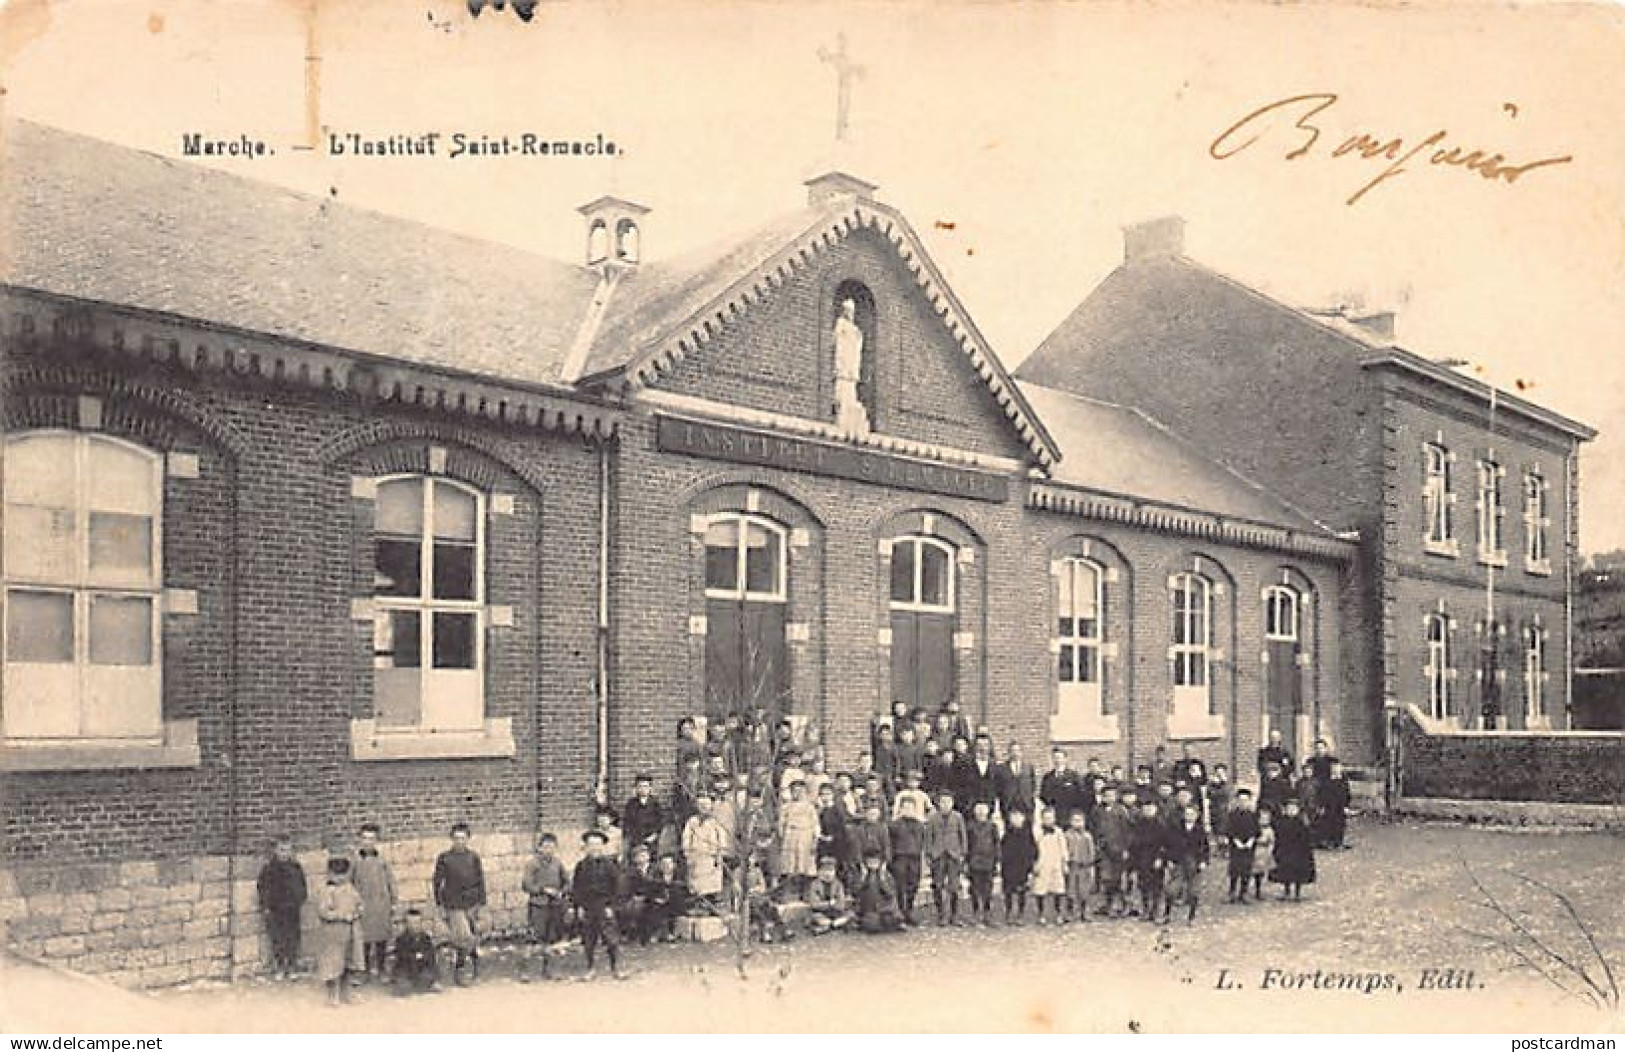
(1113, 449)
(95, 221)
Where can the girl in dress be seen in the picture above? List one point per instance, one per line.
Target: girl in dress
(1264, 853)
(339, 949)
(1049, 874)
(1294, 853)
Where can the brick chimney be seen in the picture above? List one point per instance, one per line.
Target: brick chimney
(835, 184)
(1380, 324)
(614, 232)
(1154, 240)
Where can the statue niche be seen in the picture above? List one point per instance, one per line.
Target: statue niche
(854, 358)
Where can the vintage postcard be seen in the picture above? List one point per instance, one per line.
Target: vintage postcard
(1020, 517)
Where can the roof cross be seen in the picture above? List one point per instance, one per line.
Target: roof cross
(846, 71)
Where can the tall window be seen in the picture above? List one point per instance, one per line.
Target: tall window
(1080, 631)
(1535, 520)
(1490, 510)
(1534, 675)
(1436, 495)
(1192, 651)
(922, 621)
(82, 588)
(429, 591)
(1438, 669)
(746, 651)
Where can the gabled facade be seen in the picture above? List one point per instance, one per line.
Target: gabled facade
(1464, 498)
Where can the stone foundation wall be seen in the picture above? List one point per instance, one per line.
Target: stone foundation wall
(161, 923)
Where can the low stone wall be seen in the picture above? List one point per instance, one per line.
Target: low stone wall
(160, 923)
(1574, 767)
(1516, 812)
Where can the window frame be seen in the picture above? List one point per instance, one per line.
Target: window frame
(1537, 520)
(1277, 597)
(1078, 643)
(83, 590)
(1437, 669)
(917, 542)
(426, 605)
(1438, 528)
(1491, 507)
(741, 590)
(1534, 676)
(1191, 654)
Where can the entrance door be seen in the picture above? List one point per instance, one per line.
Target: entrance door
(1283, 702)
(922, 622)
(746, 653)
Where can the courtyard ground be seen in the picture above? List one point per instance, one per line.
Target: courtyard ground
(1398, 905)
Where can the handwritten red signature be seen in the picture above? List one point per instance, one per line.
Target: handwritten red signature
(1270, 118)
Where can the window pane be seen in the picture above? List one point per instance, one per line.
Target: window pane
(453, 640)
(41, 543)
(453, 571)
(41, 469)
(903, 554)
(935, 573)
(396, 566)
(120, 546)
(1064, 669)
(1198, 670)
(395, 639)
(1063, 598)
(39, 627)
(722, 554)
(1086, 584)
(762, 555)
(1088, 665)
(120, 478)
(1064, 627)
(455, 511)
(120, 630)
(398, 508)
(1181, 670)
(1181, 600)
(1088, 628)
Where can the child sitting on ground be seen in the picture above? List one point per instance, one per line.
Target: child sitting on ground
(877, 897)
(417, 968)
(830, 905)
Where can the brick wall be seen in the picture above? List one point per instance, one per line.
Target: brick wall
(274, 667)
(1574, 767)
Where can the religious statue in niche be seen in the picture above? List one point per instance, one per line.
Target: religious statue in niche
(851, 415)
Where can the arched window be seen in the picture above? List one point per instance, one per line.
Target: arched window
(1080, 609)
(83, 514)
(626, 241)
(1192, 649)
(746, 651)
(922, 574)
(1281, 614)
(1437, 670)
(744, 557)
(429, 594)
(923, 618)
(597, 242)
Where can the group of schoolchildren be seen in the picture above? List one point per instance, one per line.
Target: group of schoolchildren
(756, 820)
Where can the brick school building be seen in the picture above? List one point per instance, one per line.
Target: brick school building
(316, 516)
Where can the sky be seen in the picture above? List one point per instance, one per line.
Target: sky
(1019, 138)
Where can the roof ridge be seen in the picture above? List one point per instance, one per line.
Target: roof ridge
(321, 203)
(1245, 480)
